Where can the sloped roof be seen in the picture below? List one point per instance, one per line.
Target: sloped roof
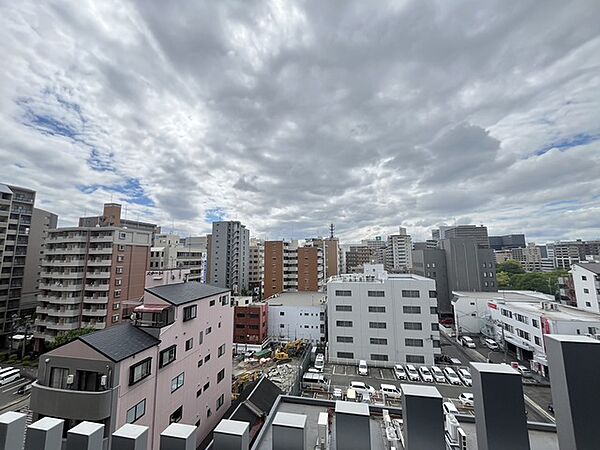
(120, 342)
(181, 293)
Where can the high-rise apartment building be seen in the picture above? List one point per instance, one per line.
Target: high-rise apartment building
(289, 268)
(230, 256)
(112, 217)
(507, 242)
(170, 252)
(567, 253)
(356, 256)
(377, 246)
(87, 276)
(330, 250)
(257, 267)
(398, 252)
(22, 234)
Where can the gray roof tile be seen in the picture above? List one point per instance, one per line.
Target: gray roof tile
(120, 342)
(181, 293)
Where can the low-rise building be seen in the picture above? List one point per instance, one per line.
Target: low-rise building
(382, 318)
(171, 363)
(586, 282)
(250, 323)
(298, 315)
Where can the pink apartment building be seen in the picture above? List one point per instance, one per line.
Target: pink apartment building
(171, 362)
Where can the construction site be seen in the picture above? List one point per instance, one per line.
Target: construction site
(283, 364)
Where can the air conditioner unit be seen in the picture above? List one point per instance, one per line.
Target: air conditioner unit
(70, 379)
(103, 380)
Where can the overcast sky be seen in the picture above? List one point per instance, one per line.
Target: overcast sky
(289, 115)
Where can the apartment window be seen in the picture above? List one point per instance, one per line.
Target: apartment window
(537, 341)
(240, 315)
(206, 386)
(282, 313)
(212, 303)
(409, 342)
(506, 313)
(411, 309)
(343, 308)
(521, 318)
(343, 293)
(588, 304)
(432, 294)
(115, 318)
(122, 236)
(378, 341)
(117, 293)
(436, 343)
(345, 355)
(433, 310)
(410, 294)
(118, 282)
(177, 382)
(198, 393)
(523, 334)
(376, 309)
(220, 375)
(221, 351)
(417, 359)
(208, 330)
(200, 362)
(119, 270)
(586, 291)
(207, 358)
(190, 312)
(413, 326)
(220, 401)
(509, 328)
(375, 293)
(177, 415)
(380, 325)
(139, 371)
(583, 278)
(435, 327)
(189, 344)
(58, 377)
(120, 258)
(116, 306)
(344, 339)
(343, 323)
(167, 356)
(201, 338)
(535, 323)
(378, 357)
(121, 247)
(137, 411)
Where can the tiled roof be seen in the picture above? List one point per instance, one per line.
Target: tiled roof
(120, 342)
(181, 293)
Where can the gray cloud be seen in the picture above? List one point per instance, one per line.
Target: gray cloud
(289, 116)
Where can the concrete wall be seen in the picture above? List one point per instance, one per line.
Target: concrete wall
(288, 323)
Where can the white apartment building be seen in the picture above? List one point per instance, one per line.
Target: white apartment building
(586, 280)
(257, 266)
(398, 252)
(297, 315)
(382, 318)
(230, 256)
(172, 252)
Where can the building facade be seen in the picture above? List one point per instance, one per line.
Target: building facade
(356, 256)
(250, 323)
(257, 268)
(478, 233)
(398, 252)
(298, 315)
(586, 283)
(170, 252)
(330, 252)
(230, 256)
(469, 266)
(86, 275)
(171, 364)
(507, 242)
(384, 319)
(431, 263)
(112, 217)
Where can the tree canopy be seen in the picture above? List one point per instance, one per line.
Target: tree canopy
(69, 336)
(510, 266)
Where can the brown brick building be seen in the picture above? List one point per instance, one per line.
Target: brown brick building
(250, 324)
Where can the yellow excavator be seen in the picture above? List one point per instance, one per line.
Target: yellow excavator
(294, 348)
(281, 356)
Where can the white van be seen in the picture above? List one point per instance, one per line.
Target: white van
(9, 376)
(315, 382)
(362, 368)
(391, 391)
(491, 344)
(320, 362)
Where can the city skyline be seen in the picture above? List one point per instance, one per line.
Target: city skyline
(288, 117)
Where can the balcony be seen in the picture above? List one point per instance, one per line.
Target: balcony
(54, 239)
(154, 316)
(62, 326)
(99, 262)
(100, 250)
(63, 262)
(65, 275)
(97, 287)
(61, 287)
(93, 324)
(65, 251)
(98, 275)
(95, 312)
(63, 312)
(106, 238)
(59, 300)
(98, 299)
(71, 404)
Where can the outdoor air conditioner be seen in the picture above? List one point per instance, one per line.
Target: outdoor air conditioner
(103, 380)
(70, 379)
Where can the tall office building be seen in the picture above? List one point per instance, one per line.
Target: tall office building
(478, 233)
(469, 266)
(567, 253)
(507, 242)
(88, 276)
(257, 267)
(289, 268)
(398, 252)
(230, 256)
(22, 229)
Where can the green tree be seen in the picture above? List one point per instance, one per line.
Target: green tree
(503, 280)
(69, 336)
(510, 266)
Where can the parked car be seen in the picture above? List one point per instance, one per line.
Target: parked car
(320, 362)
(399, 372)
(361, 387)
(26, 389)
(491, 344)
(445, 359)
(391, 391)
(465, 377)
(362, 368)
(449, 408)
(524, 371)
(412, 373)
(438, 375)
(466, 398)
(426, 374)
(451, 376)
(467, 342)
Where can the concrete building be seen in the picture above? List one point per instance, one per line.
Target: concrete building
(230, 256)
(567, 253)
(478, 233)
(86, 274)
(382, 318)
(112, 217)
(257, 267)
(507, 241)
(398, 252)
(431, 263)
(377, 246)
(290, 268)
(530, 257)
(330, 254)
(250, 323)
(470, 267)
(503, 255)
(171, 364)
(22, 234)
(170, 252)
(357, 256)
(298, 315)
(586, 283)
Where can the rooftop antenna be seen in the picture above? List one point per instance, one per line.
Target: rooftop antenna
(331, 229)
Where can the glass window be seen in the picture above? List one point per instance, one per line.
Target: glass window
(411, 309)
(137, 411)
(221, 351)
(418, 359)
(377, 325)
(376, 309)
(58, 377)
(409, 342)
(177, 382)
(378, 341)
(345, 355)
(376, 357)
(344, 339)
(189, 344)
(343, 293)
(177, 415)
(344, 308)
(167, 356)
(413, 326)
(410, 294)
(220, 401)
(375, 293)
(189, 312)
(343, 323)
(220, 375)
(139, 371)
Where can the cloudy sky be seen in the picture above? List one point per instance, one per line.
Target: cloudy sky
(289, 115)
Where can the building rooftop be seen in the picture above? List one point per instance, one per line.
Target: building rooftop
(508, 296)
(564, 312)
(182, 293)
(592, 267)
(368, 278)
(120, 342)
(297, 299)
